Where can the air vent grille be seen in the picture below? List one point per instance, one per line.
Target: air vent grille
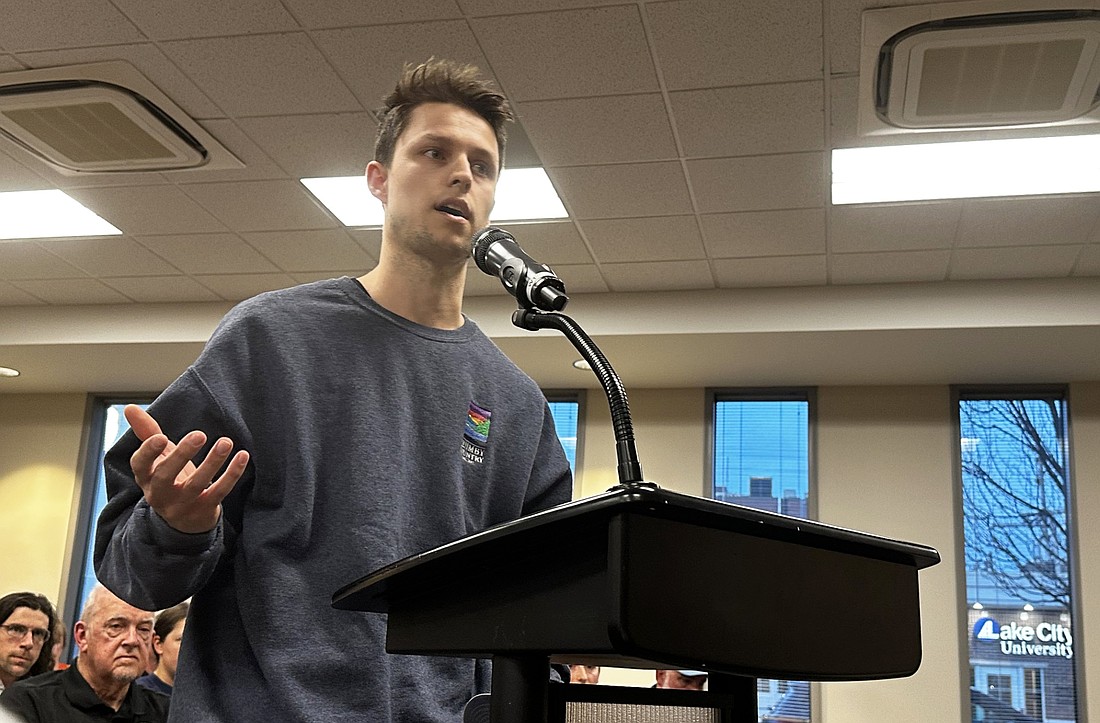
(102, 118)
(988, 71)
(89, 126)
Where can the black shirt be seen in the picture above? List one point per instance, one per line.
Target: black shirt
(63, 696)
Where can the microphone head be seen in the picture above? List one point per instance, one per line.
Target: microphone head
(482, 240)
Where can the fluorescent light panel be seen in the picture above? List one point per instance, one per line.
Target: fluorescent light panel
(968, 169)
(46, 214)
(523, 194)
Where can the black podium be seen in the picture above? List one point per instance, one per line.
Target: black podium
(656, 579)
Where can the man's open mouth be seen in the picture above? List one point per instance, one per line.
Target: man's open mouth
(452, 211)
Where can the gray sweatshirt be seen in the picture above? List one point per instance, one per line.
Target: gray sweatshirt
(372, 438)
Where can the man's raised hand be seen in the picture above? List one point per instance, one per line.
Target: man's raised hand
(187, 497)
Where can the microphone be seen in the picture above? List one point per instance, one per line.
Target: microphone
(534, 285)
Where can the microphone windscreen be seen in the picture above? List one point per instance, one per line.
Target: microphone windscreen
(485, 238)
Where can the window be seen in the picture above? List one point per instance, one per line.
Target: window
(761, 458)
(1014, 471)
(565, 407)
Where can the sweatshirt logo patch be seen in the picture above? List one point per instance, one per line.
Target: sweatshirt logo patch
(476, 434)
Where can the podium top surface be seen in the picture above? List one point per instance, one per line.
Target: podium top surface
(376, 591)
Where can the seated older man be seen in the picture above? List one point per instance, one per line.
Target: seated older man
(111, 636)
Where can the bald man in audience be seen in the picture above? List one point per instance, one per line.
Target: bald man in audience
(111, 636)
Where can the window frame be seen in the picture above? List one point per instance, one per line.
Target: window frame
(764, 394)
(998, 392)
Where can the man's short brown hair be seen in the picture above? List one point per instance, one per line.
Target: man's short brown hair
(439, 81)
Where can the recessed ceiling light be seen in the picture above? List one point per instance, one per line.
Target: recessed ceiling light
(582, 365)
(967, 169)
(8, 372)
(46, 214)
(523, 194)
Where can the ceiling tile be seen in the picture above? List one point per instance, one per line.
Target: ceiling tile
(235, 287)
(1088, 263)
(111, 256)
(843, 113)
(312, 251)
(519, 152)
(711, 43)
(894, 227)
(200, 18)
(642, 189)
(10, 64)
(553, 243)
(569, 54)
(600, 130)
(758, 183)
(774, 271)
(257, 165)
(506, 7)
(333, 144)
(263, 74)
(658, 276)
(582, 278)
(667, 238)
(149, 60)
(764, 233)
(892, 267)
(759, 119)
(14, 176)
(845, 34)
(139, 210)
(262, 205)
(333, 13)
(1019, 262)
(72, 291)
(14, 296)
(369, 238)
(217, 253)
(367, 58)
(161, 289)
(64, 24)
(29, 260)
(1028, 221)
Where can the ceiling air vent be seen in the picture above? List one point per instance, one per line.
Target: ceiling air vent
(102, 119)
(954, 67)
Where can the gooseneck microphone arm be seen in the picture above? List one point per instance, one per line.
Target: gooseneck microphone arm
(629, 468)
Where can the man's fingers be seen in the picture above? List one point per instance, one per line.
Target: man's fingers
(143, 461)
(215, 458)
(218, 491)
(141, 422)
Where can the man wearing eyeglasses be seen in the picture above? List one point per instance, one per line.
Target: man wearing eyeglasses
(26, 619)
(111, 636)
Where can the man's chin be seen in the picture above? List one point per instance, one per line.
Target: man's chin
(126, 674)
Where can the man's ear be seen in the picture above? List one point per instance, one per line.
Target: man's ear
(377, 177)
(80, 635)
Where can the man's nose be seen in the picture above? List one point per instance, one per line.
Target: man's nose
(461, 173)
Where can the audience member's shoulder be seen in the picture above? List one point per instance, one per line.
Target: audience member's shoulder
(45, 680)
